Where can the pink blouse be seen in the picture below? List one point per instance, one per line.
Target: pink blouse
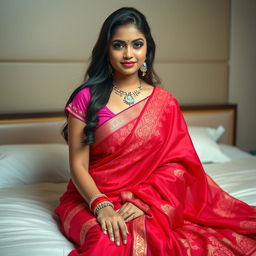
(78, 107)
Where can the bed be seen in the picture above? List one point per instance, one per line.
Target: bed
(34, 171)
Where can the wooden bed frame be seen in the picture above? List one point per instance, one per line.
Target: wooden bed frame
(30, 128)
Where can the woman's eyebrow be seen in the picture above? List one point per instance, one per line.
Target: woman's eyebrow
(122, 41)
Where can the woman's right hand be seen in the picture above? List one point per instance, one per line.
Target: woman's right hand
(111, 222)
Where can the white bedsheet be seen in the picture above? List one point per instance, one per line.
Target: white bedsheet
(233, 153)
(237, 177)
(29, 227)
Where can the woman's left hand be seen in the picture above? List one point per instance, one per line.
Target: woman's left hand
(129, 211)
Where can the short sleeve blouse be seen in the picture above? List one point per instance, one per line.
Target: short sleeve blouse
(78, 107)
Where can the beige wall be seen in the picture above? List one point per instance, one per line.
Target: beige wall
(242, 89)
(45, 44)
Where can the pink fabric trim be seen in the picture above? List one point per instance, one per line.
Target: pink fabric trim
(78, 107)
(69, 109)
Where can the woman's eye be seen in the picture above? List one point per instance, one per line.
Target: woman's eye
(138, 44)
(117, 46)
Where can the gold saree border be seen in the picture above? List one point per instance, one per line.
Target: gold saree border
(140, 239)
(85, 228)
(70, 216)
(127, 115)
(118, 121)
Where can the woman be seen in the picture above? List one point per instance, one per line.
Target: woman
(138, 187)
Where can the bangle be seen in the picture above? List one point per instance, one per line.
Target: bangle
(95, 197)
(102, 205)
(98, 201)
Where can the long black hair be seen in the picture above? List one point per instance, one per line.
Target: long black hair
(97, 76)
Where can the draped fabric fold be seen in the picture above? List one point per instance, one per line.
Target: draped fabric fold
(145, 156)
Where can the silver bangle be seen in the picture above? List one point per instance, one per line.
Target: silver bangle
(95, 197)
(102, 205)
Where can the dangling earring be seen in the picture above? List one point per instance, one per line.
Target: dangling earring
(144, 68)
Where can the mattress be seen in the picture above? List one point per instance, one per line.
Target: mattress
(28, 225)
(238, 176)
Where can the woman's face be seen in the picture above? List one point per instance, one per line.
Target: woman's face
(127, 50)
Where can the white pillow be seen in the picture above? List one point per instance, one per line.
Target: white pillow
(33, 163)
(204, 140)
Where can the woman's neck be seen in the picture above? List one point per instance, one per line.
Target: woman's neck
(126, 83)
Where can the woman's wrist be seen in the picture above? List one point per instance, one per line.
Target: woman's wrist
(101, 206)
(98, 202)
(96, 197)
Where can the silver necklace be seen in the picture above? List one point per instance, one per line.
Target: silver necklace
(128, 96)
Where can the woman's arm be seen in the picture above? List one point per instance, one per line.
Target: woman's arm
(79, 159)
(79, 166)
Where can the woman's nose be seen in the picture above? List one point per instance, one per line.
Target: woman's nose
(128, 52)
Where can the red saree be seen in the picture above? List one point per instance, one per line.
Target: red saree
(145, 155)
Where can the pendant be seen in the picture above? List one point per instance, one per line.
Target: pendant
(128, 99)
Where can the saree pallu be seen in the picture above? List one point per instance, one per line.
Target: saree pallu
(145, 156)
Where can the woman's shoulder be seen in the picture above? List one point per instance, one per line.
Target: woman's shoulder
(84, 94)
(158, 88)
(165, 92)
(85, 91)
(165, 96)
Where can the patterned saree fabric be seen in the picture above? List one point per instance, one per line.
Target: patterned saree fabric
(144, 155)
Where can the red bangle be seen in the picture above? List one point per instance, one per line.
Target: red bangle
(96, 205)
(97, 201)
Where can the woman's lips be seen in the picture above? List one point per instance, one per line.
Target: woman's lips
(128, 64)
